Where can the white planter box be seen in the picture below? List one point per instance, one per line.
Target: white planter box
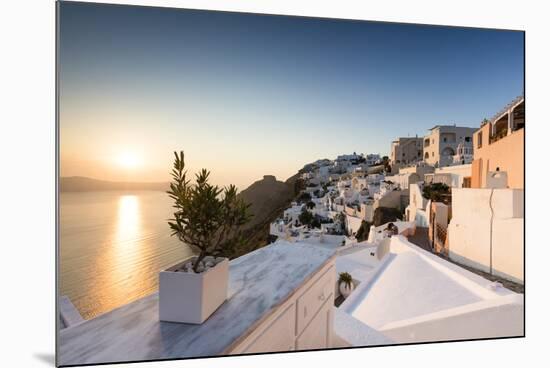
(189, 297)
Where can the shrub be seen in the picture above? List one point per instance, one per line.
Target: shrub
(207, 218)
(305, 217)
(363, 231)
(304, 197)
(344, 277)
(384, 215)
(436, 192)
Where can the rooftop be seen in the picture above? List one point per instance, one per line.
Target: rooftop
(412, 295)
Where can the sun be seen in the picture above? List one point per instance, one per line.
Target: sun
(128, 160)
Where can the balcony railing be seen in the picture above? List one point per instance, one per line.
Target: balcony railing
(498, 136)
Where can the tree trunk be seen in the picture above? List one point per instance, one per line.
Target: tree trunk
(200, 257)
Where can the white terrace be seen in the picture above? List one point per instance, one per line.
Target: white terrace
(406, 294)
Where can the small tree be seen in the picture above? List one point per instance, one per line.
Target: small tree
(436, 192)
(384, 215)
(305, 217)
(310, 205)
(344, 277)
(206, 218)
(363, 231)
(304, 197)
(315, 222)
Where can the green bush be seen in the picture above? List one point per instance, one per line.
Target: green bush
(363, 232)
(305, 217)
(384, 215)
(344, 277)
(207, 218)
(304, 197)
(436, 192)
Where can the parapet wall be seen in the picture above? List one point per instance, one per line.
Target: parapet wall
(486, 231)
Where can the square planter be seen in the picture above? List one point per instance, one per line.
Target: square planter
(189, 297)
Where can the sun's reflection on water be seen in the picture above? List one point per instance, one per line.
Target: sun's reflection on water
(124, 253)
(128, 220)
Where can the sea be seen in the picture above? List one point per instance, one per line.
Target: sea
(112, 246)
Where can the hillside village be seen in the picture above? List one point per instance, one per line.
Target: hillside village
(440, 186)
(454, 198)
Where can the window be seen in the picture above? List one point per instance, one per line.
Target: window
(479, 138)
(433, 154)
(468, 139)
(445, 139)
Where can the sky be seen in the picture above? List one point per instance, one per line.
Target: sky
(245, 95)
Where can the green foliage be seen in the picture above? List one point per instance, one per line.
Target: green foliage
(363, 231)
(383, 215)
(304, 197)
(306, 217)
(316, 223)
(436, 192)
(344, 277)
(386, 163)
(206, 218)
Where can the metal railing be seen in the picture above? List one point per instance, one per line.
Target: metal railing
(505, 108)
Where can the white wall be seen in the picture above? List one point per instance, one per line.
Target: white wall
(508, 255)
(457, 173)
(486, 230)
(421, 218)
(441, 214)
(485, 319)
(391, 199)
(367, 211)
(400, 179)
(353, 223)
(417, 203)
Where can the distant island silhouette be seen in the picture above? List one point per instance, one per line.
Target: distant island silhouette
(85, 184)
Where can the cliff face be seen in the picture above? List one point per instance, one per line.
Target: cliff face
(268, 199)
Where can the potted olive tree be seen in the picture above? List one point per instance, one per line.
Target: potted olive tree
(208, 219)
